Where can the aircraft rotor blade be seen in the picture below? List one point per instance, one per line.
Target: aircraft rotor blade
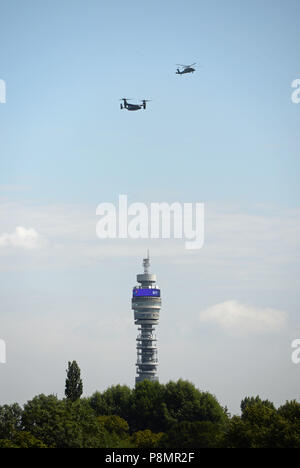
(185, 66)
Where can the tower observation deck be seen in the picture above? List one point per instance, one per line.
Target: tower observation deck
(146, 303)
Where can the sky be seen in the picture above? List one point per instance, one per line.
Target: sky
(226, 136)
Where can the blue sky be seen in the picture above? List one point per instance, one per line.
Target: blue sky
(216, 134)
(227, 136)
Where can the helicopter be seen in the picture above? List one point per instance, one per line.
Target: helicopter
(185, 69)
(133, 107)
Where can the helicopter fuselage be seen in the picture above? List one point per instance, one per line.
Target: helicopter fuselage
(133, 107)
(186, 70)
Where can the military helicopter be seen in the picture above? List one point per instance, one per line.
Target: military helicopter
(185, 69)
(133, 107)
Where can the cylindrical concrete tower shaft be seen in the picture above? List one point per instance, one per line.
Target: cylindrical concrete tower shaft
(146, 303)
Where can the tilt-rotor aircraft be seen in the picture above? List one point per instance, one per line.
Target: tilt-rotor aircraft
(133, 107)
(185, 69)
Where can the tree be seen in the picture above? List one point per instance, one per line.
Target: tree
(290, 411)
(255, 400)
(117, 430)
(148, 409)
(116, 400)
(186, 403)
(114, 425)
(239, 434)
(22, 439)
(158, 407)
(73, 390)
(10, 420)
(198, 434)
(62, 423)
(146, 439)
(262, 426)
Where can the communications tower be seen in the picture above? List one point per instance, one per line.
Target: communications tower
(146, 303)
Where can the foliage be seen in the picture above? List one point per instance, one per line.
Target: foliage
(290, 411)
(262, 426)
(186, 403)
(152, 415)
(10, 420)
(148, 409)
(117, 431)
(22, 439)
(73, 390)
(146, 439)
(154, 406)
(186, 434)
(116, 400)
(255, 400)
(63, 424)
(114, 425)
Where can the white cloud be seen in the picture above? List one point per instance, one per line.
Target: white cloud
(239, 318)
(23, 238)
(257, 249)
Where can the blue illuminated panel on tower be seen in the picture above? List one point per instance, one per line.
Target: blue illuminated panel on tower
(140, 292)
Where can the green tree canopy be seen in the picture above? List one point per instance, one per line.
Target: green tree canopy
(22, 439)
(114, 425)
(10, 420)
(73, 390)
(151, 415)
(148, 409)
(146, 439)
(154, 406)
(158, 407)
(290, 411)
(262, 426)
(63, 424)
(255, 400)
(117, 431)
(187, 403)
(197, 434)
(116, 400)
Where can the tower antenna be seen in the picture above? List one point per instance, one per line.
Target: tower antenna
(146, 263)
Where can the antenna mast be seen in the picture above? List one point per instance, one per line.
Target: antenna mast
(146, 263)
